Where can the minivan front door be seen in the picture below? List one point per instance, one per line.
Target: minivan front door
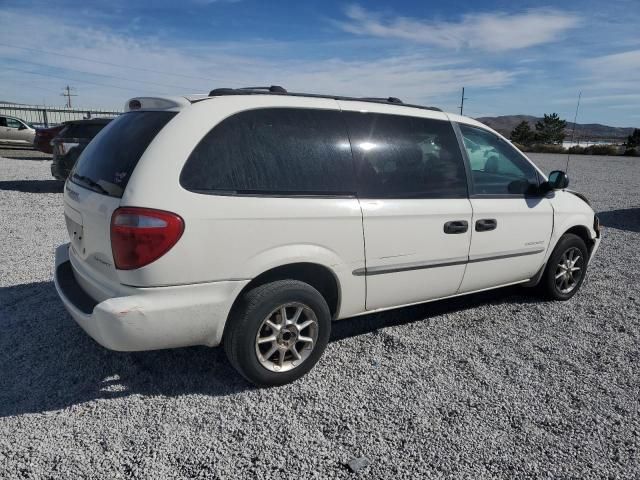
(512, 224)
(413, 194)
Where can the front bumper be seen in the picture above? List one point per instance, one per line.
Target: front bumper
(148, 318)
(594, 248)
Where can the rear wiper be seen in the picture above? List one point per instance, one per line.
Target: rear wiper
(91, 183)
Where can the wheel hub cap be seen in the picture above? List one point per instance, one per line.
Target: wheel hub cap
(288, 336)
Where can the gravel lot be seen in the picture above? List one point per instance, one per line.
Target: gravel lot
(499, 384)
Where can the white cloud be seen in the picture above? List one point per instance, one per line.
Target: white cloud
(624, 63)
(617, 73)
(186, 65)
(494, 32)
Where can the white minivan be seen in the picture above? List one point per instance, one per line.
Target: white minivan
(256, 217)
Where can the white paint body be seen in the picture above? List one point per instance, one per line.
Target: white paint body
(184, 297)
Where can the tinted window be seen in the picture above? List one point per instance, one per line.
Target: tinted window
(496, 166)
(274, 150)
(107, 162)
(3, 122)
(82, 130)
(13, 123)
(406, 157)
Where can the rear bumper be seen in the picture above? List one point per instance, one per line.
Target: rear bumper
(148, 318)
(58, 172)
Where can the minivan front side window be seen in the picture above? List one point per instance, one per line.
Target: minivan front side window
(400, 156)
(496, 167)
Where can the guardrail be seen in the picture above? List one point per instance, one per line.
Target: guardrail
(43, 116)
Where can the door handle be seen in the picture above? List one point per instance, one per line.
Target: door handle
(456, 226)
(486, 224)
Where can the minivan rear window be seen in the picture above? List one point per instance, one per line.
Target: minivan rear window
(108, 161)
(84, 131)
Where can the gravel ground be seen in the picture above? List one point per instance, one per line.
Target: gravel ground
(499, 384)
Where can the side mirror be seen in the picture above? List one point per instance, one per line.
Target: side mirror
(557, 180)
(22, 127)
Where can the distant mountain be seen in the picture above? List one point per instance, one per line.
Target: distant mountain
(584, 131)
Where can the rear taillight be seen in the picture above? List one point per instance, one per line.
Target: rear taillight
(65, 147)
(140, 236)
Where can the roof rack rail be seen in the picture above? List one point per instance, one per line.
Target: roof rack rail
(244, 90)
(377, 99)
(278, 90)
(271, 89)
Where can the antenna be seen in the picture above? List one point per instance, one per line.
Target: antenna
(573, 133)
(67, 93)
(462, 99)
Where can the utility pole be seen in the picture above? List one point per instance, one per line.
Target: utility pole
(67, 93)
(462, 99)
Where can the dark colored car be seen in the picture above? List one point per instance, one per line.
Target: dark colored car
(71, 141)
(42, 140)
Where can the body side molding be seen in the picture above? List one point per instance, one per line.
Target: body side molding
(447, 262)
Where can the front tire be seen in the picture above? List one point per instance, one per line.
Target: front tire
(566, 268)
(277, 332)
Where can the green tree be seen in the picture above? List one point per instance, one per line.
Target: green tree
(550, 129)
(633, 140)
(523, 134)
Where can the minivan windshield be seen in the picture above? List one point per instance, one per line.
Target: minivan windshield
(108, 161)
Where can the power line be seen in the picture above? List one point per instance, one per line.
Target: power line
(105, 63)
(100, 74)
(34, 85)
(80, 81)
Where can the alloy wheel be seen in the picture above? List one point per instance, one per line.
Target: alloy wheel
(569, 270)
(286, 337)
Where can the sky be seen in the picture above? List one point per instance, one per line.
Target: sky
(512, 57)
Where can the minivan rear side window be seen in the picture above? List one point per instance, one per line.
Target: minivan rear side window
(273, 151)
(107, 162)
(399, 156)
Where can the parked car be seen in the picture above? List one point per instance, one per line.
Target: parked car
(15, 130)
(71, 141)
(242, 219)
(42, 140)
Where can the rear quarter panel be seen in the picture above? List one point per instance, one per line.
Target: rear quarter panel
(240, 237)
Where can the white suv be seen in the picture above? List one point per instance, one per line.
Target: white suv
(254, 218)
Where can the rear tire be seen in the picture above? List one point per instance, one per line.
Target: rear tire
(268, 350)
(566, 268)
